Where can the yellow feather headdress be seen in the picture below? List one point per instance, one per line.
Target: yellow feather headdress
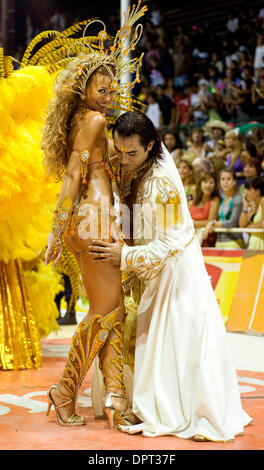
(62, 48)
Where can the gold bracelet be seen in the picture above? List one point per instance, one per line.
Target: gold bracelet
(62, 215)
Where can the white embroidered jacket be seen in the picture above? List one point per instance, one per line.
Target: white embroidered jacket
(162, 224)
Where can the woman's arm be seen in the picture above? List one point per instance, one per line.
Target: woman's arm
(68, 193)
(245, 214)
(259, 224)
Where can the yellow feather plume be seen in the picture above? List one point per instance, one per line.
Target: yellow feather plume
(40, 37)
(27, 195)
(43, 283)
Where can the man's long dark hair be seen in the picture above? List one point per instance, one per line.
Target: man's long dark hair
(135, 122)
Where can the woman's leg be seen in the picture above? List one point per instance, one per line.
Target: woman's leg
(90, 336)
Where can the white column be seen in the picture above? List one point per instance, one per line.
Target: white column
(124, 4)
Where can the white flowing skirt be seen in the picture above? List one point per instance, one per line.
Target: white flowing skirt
(185, 381)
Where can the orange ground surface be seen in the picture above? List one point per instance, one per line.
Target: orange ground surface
(25, 426)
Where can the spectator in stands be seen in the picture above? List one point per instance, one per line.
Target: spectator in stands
(257, 97)
(155, 75)
(252, 215)
(204, 207)
(156, 15)
(170, 90)
(173, 144)
(256, 137)
(258, 55)
(153, 110)
(226, 89)
(201, 165)
(232, 24)
(252, 169)
(246, 90)
(183, 101)
(239, 106)
(217, 63)
(167, 107)
(249, 150)
(243, 59)
(218, 157)
(200, 102)
(182, 65)
(216, 130)
(143, 94)
(261, 13)
(235, 161)
(151, 51)
(228, 214)
(185, 170)
(197, 144)
(165, 61)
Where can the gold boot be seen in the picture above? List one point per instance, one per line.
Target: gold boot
(111, 365)
(87, 341)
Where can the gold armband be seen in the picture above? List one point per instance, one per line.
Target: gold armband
(84, 157)
(62, 215)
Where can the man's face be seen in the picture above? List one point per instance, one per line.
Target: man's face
(130, 152)
(217, 133)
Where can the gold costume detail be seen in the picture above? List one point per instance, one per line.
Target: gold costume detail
(111, 360)
(87, 341)
(169, 210)
(19, 335)
(133, 288)
(84, 157)
(167, 194)
(145, 268)
(111, 364)
(62, 215)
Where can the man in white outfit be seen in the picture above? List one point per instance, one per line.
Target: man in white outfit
(185, 382)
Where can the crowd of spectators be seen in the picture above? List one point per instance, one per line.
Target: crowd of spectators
(223, 177)
(194, 75)
(204, 92)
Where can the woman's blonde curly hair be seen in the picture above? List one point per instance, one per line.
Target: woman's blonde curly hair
(67, 98)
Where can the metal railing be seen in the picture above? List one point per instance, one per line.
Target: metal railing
(240, 230)
(230, 230)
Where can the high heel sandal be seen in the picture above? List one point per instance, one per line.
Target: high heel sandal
(87, 341)
(118, 418)
(73, 420)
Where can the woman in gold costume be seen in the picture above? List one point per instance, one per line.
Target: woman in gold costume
(77, 149)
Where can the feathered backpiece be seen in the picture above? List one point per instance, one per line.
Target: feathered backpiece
(6, 64)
